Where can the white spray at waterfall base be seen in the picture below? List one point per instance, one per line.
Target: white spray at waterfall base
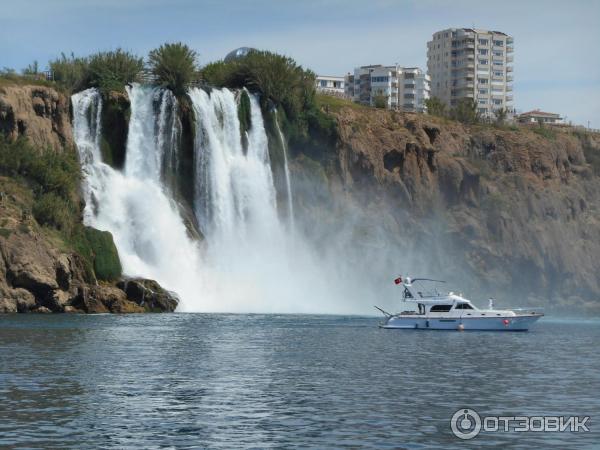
(250, 261)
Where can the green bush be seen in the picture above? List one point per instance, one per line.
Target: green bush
(53, 177)
(380, 101)
(465, 111)
(173, 66)
(111, 71)
(545, 132)
(436, 107)
(48, 171)
(53, 210)
(70, 72)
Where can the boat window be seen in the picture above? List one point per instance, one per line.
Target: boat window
(407, 293)
(440, 308)
(463, 306)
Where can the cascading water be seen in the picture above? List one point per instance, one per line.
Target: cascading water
(286, 171)
(248, 261)
(149, 233)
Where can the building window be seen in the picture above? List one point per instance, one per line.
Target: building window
(483, 51)
(498, 74)
(497, 102)
(483, 62)
(498, 63)
(499, 43)
(482, 110)
(498, 53)
(483, 42)
(482, 80)
(323, 83)
(483, 91)
(482, 101)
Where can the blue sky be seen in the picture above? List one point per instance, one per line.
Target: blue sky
(557, 61)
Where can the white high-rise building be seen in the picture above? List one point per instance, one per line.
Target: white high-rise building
(401, 88)
(472, 63)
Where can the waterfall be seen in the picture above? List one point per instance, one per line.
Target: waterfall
(286, 171)
(235, 194)
(248, 260)
(148, 230)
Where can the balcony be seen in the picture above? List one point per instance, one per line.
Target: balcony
(510, 49)
(509, 59)
(509, 88)
(509, 78)
(509, 68)
(509, 98)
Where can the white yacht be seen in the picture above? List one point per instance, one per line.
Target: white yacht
(436, 311)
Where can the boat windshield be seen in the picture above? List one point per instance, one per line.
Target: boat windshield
(425, 288)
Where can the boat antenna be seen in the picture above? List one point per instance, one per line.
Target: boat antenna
(385, 313)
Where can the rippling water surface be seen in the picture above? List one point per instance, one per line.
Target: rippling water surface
(232, 381)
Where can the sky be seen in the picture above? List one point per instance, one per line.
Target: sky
(556, 59)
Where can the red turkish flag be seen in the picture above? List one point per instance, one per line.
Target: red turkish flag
(398, 280)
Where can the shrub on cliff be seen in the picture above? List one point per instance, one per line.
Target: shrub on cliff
(70, 72)
(436, 107)
(173, 66)
(53, 177)
(111, 71)
(465, 111)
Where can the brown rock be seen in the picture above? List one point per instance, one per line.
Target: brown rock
(39, 113)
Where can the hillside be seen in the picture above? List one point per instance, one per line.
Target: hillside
(513, 212)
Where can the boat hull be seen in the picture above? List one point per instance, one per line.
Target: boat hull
(510, 323)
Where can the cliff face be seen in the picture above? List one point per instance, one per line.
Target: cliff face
(39, 113)
(42, 268)
(508, 212)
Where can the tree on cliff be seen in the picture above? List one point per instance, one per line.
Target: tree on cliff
(465, 111)
(174, 66)
(436, 107)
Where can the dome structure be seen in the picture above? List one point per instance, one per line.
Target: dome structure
(238, 53)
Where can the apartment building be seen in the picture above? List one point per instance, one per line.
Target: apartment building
(330, 85)
(401, 88)
(472, 63)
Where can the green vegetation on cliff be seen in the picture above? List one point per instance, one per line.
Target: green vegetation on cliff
(52, 179)
(173, 66)
(52, 176)
(110, 70)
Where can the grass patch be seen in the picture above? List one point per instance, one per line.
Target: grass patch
(545, 132)
(335, 104)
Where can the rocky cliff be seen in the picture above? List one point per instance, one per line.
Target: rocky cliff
(58, 267)
(38, 113)
(513, 212)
